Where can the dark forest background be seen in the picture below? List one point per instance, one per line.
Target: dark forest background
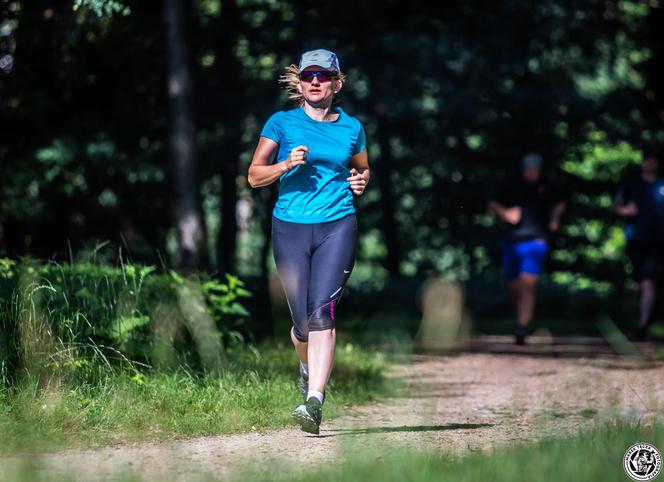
(128, 127)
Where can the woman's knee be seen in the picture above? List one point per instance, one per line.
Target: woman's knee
(300, 334)
(321, 323)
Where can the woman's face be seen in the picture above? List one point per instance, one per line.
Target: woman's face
(319, 90)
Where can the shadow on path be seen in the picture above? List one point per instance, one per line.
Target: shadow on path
(406, 428)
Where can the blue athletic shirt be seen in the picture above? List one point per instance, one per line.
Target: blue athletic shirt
(315, 192)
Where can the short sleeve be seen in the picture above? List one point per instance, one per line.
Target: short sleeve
(274, 128)
(360, 142)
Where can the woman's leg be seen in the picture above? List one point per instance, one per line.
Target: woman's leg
(301, 347)
(332, 260)
(291, 244)
(321, 358)
(331, 264)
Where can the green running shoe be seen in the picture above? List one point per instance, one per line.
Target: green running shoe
(309, 415)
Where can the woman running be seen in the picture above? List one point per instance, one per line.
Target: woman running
(318, 153)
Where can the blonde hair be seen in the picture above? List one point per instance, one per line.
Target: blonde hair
(290, 80)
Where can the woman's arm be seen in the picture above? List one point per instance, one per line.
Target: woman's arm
(262, 172)
(359, 172)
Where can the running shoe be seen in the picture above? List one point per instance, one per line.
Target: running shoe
(642, 333)
(520, 335)
(304, 382)
(309, 415)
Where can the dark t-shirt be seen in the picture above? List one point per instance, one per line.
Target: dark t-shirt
(648, 224)
(536, 202)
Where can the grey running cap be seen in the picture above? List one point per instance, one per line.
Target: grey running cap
(321, 57)
(531, 160)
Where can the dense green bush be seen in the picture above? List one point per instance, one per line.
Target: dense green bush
(70, 316)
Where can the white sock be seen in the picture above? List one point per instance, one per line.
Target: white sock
(305, 369)
(315, 394)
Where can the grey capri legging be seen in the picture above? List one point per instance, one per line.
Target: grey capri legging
(314, 262)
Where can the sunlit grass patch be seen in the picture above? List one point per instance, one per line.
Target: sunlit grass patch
(593, 455)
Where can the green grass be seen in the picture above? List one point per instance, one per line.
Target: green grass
(594, 455)
(93, 354)
(257, 391)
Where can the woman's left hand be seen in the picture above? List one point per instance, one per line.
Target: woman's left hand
(358, 182)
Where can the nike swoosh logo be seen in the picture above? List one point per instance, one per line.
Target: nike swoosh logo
(346, 271)
(336, 292)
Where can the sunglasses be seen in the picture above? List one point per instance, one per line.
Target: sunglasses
(321, 75)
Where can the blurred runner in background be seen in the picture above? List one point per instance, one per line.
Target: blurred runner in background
(531, 209)
(640, 200)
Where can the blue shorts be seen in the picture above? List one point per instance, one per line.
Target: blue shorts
(521, 257)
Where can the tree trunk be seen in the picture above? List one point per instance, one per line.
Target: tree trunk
(232, 106)
(182, 142)
(228, 231)
(388, 222)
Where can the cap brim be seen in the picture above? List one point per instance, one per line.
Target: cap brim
(323, 65)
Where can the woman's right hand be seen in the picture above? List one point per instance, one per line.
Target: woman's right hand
(296, 157)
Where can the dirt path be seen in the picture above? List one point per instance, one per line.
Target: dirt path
(460, 403)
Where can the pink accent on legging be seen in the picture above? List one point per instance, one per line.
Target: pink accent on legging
(332, 310)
